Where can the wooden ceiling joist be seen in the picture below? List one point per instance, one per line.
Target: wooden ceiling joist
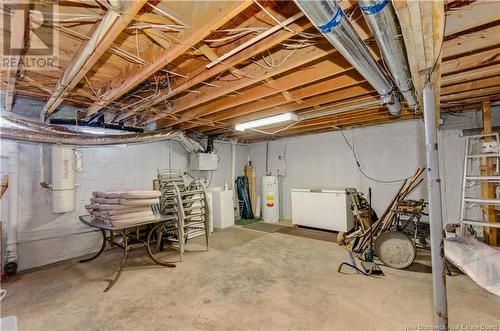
(105, 34)
(17, 35)
(263, 90)
(351, 92)
(471, 86)
(204, 75)
(480, 59)
(494, 91)
(279, 102)
(470, 75)
(360, 118)
(325, 68)
(226, 62)
(216, 16)
(471, 42)
(470, 16)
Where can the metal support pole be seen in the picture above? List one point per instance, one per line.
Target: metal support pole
(435, 213)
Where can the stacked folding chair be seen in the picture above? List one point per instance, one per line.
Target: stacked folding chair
(187, 205)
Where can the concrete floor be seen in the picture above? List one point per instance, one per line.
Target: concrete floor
(249, 280)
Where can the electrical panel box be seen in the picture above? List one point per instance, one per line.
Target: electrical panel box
(204, 161)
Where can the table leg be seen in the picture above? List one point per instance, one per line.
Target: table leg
(124, 258)
(103, 246)
(148, 247)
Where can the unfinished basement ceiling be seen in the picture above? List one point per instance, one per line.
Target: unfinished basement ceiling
(160, 62)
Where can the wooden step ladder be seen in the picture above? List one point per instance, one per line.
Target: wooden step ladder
(479, 150)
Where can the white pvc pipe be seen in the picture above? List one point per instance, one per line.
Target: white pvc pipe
(13, 169)
(233, 173)
(435, 213)
(233, 162)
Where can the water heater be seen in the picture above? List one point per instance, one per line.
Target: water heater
(63, 179)
(270, 201)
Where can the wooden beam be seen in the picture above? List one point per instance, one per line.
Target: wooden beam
(438, 31)
(305, 94)
(284, 82)
(158, 38)
(474, 102)
(466, 63)
(254, 74)
(491, 235)
(470, 86)
(494, 90)
(473, 14)
(340, 98)
(422, 25)
(471, 42)
(330, 67)
(368, 116)
(46, 96)
(243, 55)
(19, 25)
(216, 16)
(470, 75)
(360, 118)
(212, 56)
(129, 12)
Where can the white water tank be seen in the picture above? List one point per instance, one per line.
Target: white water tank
(63, 179)
(270, 199)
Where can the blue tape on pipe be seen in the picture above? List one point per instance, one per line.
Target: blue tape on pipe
(373, 9)
(330, 25)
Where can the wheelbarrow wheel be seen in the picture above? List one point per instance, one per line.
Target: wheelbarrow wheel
(395, 249)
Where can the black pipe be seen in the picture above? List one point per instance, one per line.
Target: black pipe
(99, 124)
(210, 145)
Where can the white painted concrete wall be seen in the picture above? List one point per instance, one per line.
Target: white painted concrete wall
(45, 237)
(387, 152)
(223, 174)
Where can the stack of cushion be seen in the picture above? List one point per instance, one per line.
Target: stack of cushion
(123, 207)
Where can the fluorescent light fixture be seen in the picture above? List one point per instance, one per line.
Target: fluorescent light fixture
(266, 121)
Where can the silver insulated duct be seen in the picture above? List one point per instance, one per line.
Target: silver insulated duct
(330, 19)
(381, 18)
(20, 129)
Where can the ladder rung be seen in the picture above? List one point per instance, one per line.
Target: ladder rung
(483, 155)
(491, 225)
(483, 178)
(486, 201)
(482, 135)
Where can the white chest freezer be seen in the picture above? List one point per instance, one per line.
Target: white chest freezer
(328, 209)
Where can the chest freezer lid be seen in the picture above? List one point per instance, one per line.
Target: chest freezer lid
(320, 190)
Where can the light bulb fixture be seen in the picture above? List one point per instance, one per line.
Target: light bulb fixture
(286, 117)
